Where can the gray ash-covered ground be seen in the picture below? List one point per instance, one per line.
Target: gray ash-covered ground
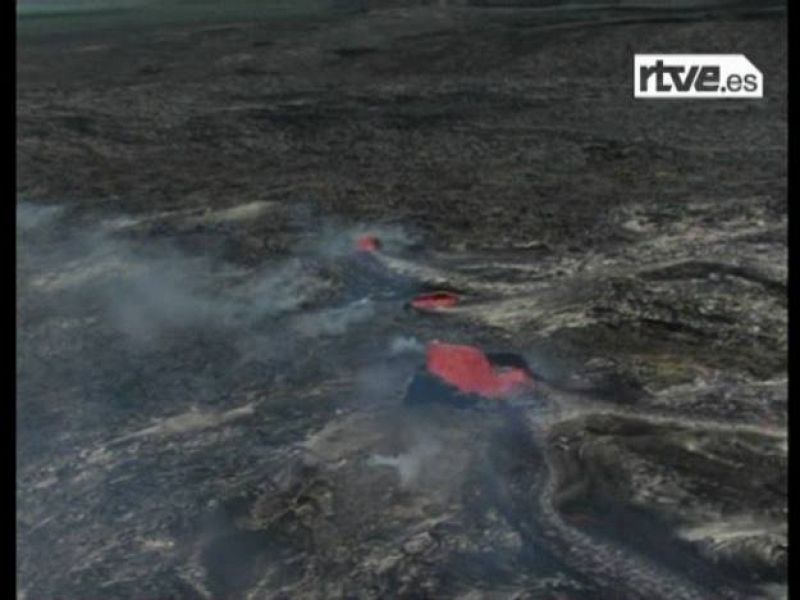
(211, 381)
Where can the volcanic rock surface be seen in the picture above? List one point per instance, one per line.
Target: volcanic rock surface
(210, 378)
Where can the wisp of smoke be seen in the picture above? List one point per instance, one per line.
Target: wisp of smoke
(146, 289)
(405, 345)
(410, 464)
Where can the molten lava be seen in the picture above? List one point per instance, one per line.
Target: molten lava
(368, 243)
(471, 371)
(435, 301)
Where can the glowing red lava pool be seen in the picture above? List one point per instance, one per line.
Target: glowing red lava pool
(435, 301)
(462, 375)
(471, 371)
(368, 243)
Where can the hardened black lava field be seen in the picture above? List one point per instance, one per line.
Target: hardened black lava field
(213, 366)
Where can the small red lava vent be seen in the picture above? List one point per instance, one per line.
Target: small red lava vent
(472, 372)
(368, 243)
(435, 301)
